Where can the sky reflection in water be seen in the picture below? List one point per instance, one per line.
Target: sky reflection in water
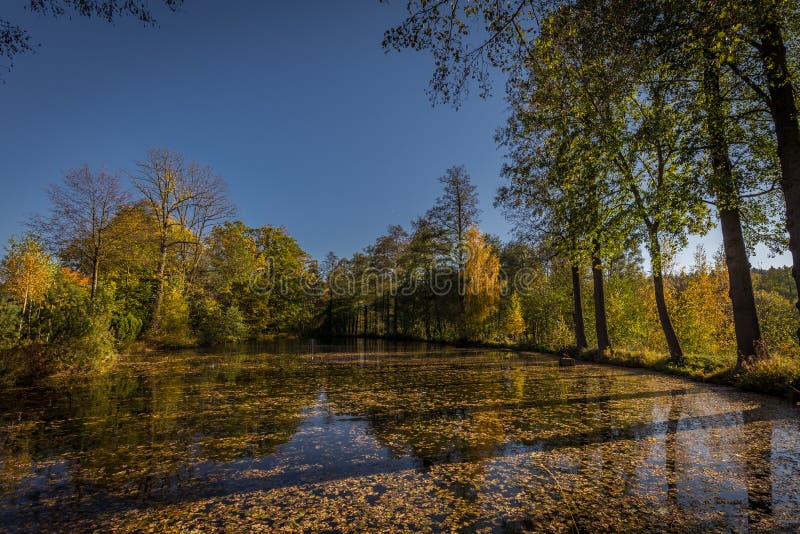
(373, 435)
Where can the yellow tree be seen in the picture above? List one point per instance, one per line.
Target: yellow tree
(482, 284)
(27, 271)
(513, 321)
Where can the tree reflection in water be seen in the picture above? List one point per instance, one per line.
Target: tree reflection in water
(380, 436)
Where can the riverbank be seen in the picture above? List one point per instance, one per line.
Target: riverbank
(777, 374)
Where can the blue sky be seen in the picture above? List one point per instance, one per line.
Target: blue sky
(312, 125)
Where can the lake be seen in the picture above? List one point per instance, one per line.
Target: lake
(371, 435)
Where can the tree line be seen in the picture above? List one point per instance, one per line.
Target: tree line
(159, 259)
(636, 124)
(445, 280)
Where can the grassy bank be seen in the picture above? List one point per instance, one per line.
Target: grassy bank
(775, 374)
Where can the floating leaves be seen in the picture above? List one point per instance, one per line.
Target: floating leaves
(411, 440)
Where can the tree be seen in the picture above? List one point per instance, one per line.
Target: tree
(513, 321)
(184, 199)
(482, 284)
(456, 211)
(81, 211)
(27, 272)
(15, 40)
(264, 274)
(724, 189)
(466, 40)
(750, 39)
(453, 214)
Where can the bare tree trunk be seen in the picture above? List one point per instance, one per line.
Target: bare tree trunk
(724, 188)
(783, 107)
(577, 309)
(656, 261)
(161, 272)
(95, 273)
(600, 320)
(427, 321)
(22, 315)
(394, 316)
(740, 290)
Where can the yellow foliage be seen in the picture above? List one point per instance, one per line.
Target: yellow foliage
(514, 322)
(27, 271)
(75, 277)
(704, 317)
(482, 284)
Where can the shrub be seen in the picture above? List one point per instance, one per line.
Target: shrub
(126, 328)
(213, 325)
(173, 326)
(10, 317)
(776, 375)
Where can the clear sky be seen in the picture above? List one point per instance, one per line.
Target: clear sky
(295, 104)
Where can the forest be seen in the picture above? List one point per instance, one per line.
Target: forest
(630, 128)
(161, 262)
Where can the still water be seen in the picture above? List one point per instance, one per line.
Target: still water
(356, 436)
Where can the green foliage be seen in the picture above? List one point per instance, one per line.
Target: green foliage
(173, 325)
(126, 327)
(778, 374)
(10, 317)
(214, 325)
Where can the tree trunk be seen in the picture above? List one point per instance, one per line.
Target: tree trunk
(95, 274)
(577, 309)
(740, 290)
(162, 267)
(394, 316)
(24, 309)
(600, 320)
(783, 108)
(675, 352)
(726, 192)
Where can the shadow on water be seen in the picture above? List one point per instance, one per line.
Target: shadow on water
(473, 439)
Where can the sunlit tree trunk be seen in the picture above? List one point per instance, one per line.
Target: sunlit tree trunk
(656, 262)
(723, 187)
(161, 285)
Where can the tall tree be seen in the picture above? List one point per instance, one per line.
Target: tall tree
(453, 214)
(482, 284)
(456, 211)
(183, 198)
(81, 211)
(27, 272)
(750, 38)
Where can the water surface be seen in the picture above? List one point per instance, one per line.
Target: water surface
(380, 436)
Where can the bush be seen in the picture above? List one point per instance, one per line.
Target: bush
(126, 328)
(233, 326)
(173, 325)
(776, 375)
(9, 323)
(213, 325)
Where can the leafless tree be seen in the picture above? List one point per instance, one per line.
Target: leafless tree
(81, 210)
(185, 199)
